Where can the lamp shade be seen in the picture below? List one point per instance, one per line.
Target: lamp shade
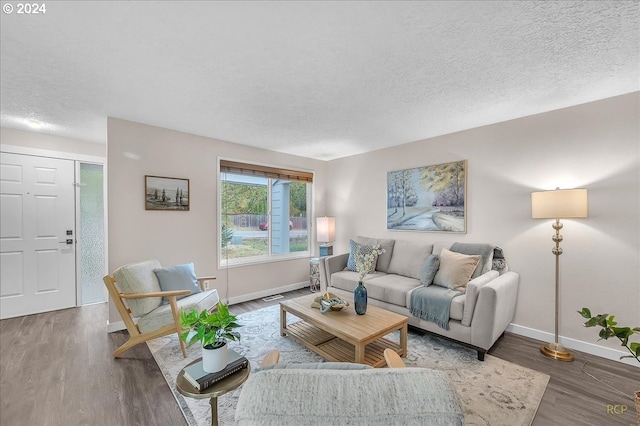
(558, 204)
(326, 229)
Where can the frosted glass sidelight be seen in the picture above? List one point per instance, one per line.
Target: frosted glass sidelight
(91, 234)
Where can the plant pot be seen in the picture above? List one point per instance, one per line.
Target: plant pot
(214, 358)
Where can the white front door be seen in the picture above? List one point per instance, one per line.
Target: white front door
(37, 235)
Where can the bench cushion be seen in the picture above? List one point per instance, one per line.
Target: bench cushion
(398, 396)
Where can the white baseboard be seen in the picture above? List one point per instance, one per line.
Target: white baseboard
(265, 293)
(577, 345)
(115, 326)
(119, 325)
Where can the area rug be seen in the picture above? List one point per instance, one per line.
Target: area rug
(493, 392)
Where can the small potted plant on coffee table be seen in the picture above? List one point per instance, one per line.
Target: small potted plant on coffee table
(213, 330)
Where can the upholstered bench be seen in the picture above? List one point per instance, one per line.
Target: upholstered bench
(342, 393)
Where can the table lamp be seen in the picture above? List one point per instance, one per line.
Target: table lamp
(326, 234)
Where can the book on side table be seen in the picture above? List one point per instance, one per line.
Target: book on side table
(201, 379)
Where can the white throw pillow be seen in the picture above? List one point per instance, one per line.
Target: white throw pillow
(455, 269)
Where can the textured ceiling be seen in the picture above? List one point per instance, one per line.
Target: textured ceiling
(317, 79)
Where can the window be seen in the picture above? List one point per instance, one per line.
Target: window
(263, 213)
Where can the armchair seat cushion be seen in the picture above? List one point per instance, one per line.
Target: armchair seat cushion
(162, 315)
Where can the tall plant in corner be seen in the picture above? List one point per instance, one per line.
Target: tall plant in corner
(608, 324)
(608, 329)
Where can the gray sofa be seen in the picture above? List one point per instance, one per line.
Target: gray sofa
(477, 318)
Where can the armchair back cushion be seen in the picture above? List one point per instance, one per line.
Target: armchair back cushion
(180, 277)
(162, 316)
(139, 278)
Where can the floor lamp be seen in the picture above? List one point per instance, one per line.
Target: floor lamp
(558, 204)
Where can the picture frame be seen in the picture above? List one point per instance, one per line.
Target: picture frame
(430, 198)
(166, 193)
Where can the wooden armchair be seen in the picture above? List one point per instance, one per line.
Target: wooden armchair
(136, 293)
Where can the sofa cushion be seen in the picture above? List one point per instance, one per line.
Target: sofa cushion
(429, 269)
(455, 269)
(139, 278)
(348, 280)
(179, 277)
(456, 309)
(473, 288)
(386, 244)
(391, 288)
(408, 257)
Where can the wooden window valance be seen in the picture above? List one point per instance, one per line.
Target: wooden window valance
(264, 171)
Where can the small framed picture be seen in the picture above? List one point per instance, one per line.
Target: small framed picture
(165, 193)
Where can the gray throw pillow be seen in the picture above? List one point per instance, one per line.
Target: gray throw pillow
(429, 269)
(180, 277)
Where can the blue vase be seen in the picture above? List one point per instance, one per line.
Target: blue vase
(360, 299)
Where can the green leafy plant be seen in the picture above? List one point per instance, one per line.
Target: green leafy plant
(212, 330)
(608, 324)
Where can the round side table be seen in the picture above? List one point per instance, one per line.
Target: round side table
(225, 385)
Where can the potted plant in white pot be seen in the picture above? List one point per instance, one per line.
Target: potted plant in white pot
(213, 330)
(608, 324)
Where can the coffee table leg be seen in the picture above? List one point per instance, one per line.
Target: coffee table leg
(283, 321)
(360, 353)
(214, 411)
(403, 339)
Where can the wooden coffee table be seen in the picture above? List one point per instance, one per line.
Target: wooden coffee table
(343, 335)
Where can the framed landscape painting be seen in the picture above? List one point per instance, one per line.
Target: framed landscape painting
(430, 198)
(165, 193)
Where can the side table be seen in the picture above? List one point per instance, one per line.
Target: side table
(217, 389)
(314, 274)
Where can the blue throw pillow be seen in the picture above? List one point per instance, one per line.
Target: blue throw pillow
(180, 277)
(429, 269)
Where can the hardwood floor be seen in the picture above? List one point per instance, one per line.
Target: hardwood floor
(56, 369)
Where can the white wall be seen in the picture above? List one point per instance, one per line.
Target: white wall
(41, 141)
(595, 146)
(174, 237)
